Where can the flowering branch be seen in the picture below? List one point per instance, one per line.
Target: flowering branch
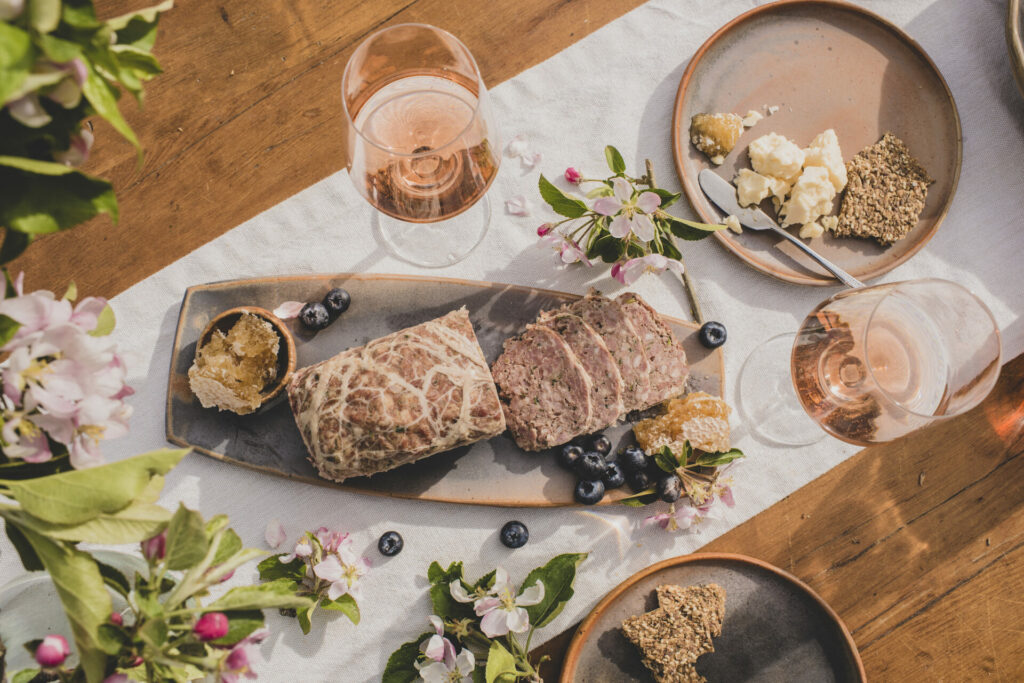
(625, 226)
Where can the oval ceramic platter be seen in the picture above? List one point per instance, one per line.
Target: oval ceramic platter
(775, 629)
(825, 65)
(493, 472)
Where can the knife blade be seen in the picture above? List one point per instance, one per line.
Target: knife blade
(723, 194)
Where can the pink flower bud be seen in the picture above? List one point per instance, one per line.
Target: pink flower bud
(544, 229)
(211, 626)
(137, 661)
(52, 651)
(155, 548)
(573, 176)
(116, 619)
(117, 678)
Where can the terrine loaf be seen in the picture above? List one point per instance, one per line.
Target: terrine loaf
(584, 365)
(413, 393)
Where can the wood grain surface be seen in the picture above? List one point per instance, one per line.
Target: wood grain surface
(919, 544)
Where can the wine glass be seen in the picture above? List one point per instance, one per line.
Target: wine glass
(872, 364)
(422, 146)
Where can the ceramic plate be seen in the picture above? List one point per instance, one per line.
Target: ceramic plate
(825, 65)
(1014, 40)
(776, 628)
(493, 472)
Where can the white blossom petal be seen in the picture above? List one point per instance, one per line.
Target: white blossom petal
(289, 310)
(623, 190)
(643, 227)
(28, 111)
(495, 623)
(518, 205)
(607, 206)
(532, 595)
(518, 621)
(275, 534)
(620, 226)
(517, 146)
(648, 202)
(329, 569)
(458, 592)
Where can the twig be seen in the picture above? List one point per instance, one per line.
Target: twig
(691, 291)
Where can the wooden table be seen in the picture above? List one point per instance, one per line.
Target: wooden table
(918, 544)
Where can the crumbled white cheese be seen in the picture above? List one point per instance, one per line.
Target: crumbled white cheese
(775, 155)
(771, 109)
(829, 222)
(824, 151)
(733, 224)
(810, 199)
(811, 230)
(751, 119)
(751, 187)
(718, 160)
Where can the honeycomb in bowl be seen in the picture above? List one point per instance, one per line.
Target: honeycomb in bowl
(715, 134)
(231, 370)
(700, 418)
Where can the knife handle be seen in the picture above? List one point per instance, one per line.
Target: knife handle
(841, 275)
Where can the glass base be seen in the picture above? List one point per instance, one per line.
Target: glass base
(435, 245)
(768, 400)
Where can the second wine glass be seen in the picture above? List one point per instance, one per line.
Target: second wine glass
(422, 146)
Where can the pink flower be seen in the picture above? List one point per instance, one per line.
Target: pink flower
(501, 609)
(78, 152)
(156, 547)
(52, 651)
(568, 251)
(517, 206)
(725, 495)
(289, 310)
(302, 549)
(116, 619)
(544, 228)
(211, 626)
(117, 678)
(332, 541)
(628, 272)
(240, 660)
(341, 571)
(28, 111)
(573, 176)
(518, 147)
(630, 214)
(437, 647)
(670, 520)
(275, 534)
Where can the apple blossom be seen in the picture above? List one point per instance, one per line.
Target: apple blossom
(78, 152)
(211, 626)
(156, 547)
(452, 668)
(501, 609)
(28, 111)
(240, 660)
(670, 520)
(630, 214)
(341, 571)
(52, 651)
(116, 619)
(437, 647)
(573, 176)
(275, 534)
(518, 205)
(628, 272)
(544, 228)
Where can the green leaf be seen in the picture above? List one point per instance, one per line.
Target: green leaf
(58, 49)
(561, 203)
(305, 617)
(445, 606)
(25, 676)
(186, 539)
(154, 632)
(80, 15)
(640, 499)
(105, 322)
(346, 604)
(145, 17)
(114, 578)
(722, 458)
(690, 230)
(272, 568)
(103, 98)
(138, 60)
(499, 662)
(241, 623)
(15, 243)
(132, 524)
(71, 293)
(84, 597)
(229, 544)
(44, 15)
(401, 666)
(670, 250)
(16, 59)
(666, 460)
(609, 249)
(29, 560)
(558, 576)
(615, 163)
(667, 198)
(8, 328)
(80, 495)
(276, 594)
(687, 454)
(600, 191)
(42, 197)
(485, 581)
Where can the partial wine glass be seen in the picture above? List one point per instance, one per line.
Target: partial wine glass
(422, 145)
(870, 365)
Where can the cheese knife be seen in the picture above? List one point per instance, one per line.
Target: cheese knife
(722, 193)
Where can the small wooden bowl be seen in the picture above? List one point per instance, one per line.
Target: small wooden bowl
(286, 356)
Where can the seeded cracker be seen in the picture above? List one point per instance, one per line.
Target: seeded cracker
(672, 637)
(885, 194)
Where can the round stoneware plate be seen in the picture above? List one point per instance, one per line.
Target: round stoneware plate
(825, 65)
(775, 629)
(1014, 40)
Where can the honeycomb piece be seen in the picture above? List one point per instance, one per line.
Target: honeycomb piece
(700, 418)
(230, 371)
(715, 134)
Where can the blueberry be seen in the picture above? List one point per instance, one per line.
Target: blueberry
(514, 535)
(670, 488)
(712, 334)
(590, 465)
(390, 544)
(638, 481)
(568, 456)
(633, 459)
(613, 476)
(314, 316)
(589, 492)
(337, 301)
(601, 444)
